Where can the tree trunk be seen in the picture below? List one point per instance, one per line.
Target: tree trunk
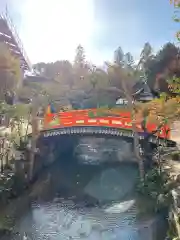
(34, 138)
(134, 129)
(27, 127)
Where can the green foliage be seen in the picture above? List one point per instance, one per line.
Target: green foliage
(174, 84)
(17, 114)
(176, 18)
(79, 60)
(172, 232)
(175, 156)
(162, 63)
(19, 111)
(156, 188)
(4, 107)
(128, 59)
(153, 183)
(67, 78)
(119, 56)
(145, 55)
(91, 114)
(10, 71)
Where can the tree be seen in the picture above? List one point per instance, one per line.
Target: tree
(145, 63)
(129, 61)
(64, 73)
(162, 66)
(145, 55)
(94, 82)
(98, 78)
(125, 61)
(167, 56)
(10, 73)
(19, 120)
(163, 74)
(81, 70)
(122, 73)
(60, 71)
(79, 60)
(40, 68)
(119, 56)
(166, 67)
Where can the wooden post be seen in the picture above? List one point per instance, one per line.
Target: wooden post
(131, 104)
(35, 132)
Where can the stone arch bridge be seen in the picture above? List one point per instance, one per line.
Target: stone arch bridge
(63, 130)
(107, 123)
(61, 133)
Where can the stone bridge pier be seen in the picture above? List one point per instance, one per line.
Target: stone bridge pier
(93, 149)
(51, 150)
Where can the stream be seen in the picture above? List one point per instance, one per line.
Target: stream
(81, 199)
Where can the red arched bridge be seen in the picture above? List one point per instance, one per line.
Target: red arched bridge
(114, 123)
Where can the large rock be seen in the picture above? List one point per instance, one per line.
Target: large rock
(112, 184)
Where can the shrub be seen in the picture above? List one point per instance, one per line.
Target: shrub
(175, 156)
(156, 188)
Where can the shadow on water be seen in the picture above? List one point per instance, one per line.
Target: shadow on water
(86, 201)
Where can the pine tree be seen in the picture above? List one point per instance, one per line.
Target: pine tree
(79, 60)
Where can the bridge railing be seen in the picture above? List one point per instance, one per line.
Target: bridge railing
(95, 112)
(70, 119)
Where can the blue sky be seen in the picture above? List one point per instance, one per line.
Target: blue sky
(51, 29)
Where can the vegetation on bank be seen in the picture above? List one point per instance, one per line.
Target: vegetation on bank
(161, 71)
(155, 190)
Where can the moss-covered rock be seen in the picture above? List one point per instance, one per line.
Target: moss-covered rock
(175, 156)
(5, 232)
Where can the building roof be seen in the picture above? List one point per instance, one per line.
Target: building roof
(142, 91)
(37, 79)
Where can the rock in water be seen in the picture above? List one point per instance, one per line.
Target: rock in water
(120, 207)
(112, 184)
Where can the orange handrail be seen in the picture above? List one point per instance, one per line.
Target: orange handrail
(74, 119)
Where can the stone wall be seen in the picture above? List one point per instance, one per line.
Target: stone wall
(175, 133)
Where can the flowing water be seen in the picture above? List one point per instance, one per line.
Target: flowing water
(67, 206)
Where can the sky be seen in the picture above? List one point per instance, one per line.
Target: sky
(51, 29)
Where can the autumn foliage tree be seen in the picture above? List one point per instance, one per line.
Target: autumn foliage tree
(85, 83)
(10, 72)
(166, 69)
(123, 70)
